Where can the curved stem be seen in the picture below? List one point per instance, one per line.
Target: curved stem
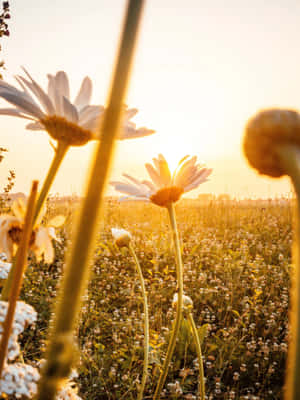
(176, 325)
(199, 354)
(146, 324)
(56, 162)
(290, 159)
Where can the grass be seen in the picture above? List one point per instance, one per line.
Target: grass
(237, 259)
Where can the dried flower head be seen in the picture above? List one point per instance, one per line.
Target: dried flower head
(72, 123)
(121, 236)
(165, 188)
(265, 133)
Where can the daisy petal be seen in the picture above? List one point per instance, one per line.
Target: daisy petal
(22, 103)
(154, 175)
(130, 189)
(84, 95)
(51, 87)
(130, 113)
(35, 126)
(62, 84)
(89, 112)
(14, 112)
(197, 182)
(39, 93)
(70, 111)
(129, 132)
(19, 208)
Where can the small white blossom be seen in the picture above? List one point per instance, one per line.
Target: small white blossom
(19, 380)
(24, 315)
(4, 269)
(187, 301)
(121, 236)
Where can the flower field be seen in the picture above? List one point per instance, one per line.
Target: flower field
(236, 258)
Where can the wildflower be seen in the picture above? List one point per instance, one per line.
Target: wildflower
(187, 301)
(11, 228)
(165, 188)
(25, 315)
(121, 236)
(4, 269)
(72, 123)
(19, 380)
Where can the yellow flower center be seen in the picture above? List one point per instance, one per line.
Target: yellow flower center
(167, 195)
(63, 130)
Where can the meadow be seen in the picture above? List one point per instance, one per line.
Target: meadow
(237, 261)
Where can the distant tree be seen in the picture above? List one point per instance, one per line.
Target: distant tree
(4, 17)
(4, 199)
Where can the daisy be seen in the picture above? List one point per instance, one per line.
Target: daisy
(165, 188)
(74, 123)
(11, 228)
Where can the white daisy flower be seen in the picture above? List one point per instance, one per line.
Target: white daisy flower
(74, 123)
(11, 228)
(121, 236)
(165, 188)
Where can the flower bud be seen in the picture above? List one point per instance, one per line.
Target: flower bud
(187, 301)
(121, 236)
(265, 133)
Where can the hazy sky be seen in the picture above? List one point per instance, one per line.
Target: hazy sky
(201, 70)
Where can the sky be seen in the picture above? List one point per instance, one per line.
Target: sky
(201, 70)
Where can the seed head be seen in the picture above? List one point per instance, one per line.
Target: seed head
(265, 133)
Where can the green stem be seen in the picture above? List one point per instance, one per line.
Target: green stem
(290, 159)
(199, 354)
(176, 325)
(146, 323)
(60, 352)
(56, 162)
(60, 153)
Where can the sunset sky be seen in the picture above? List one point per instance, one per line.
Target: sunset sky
(201, 70)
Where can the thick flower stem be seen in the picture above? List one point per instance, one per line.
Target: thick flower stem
(290, 160)
(19, 269)
(56, 162)
(176, 325)
(146, 324)
(60, 352)
(59, 155)
(199, 354)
